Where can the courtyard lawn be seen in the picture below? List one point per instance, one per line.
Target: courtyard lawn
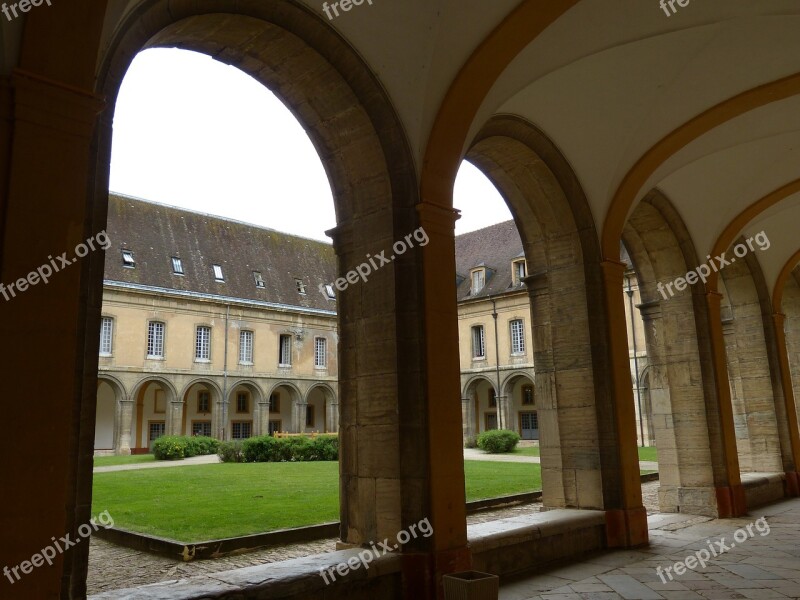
(111, 461)
(648, 453)
(527, 451)
(204, 502)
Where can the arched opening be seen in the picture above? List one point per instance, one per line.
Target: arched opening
(201, 400)
(322, 414)
(109, 397)
(523, 418)
(154, 413)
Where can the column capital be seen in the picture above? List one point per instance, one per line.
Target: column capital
(650, 310)
(537, 283)
(437, 219)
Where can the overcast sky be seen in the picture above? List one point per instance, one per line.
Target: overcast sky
(192, 132)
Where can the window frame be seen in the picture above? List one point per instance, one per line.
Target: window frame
(207, 398)
(514, 269)
(219, 275)
(323, 364)
(156, 340)
(519, 348)
(206, 344)
(204, 423)
(248, 349)
(276, 404)
(281, 363)
(110, 335)
(481, 271)
(246, 397)
(300, 285)
(258, 277)
(177, 266)
(128, 259)
(241, 424)
(473, 330)
(310, 415)
(523, 399)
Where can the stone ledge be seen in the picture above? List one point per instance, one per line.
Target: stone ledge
(763, 488)
(297, 578)
(527, 542)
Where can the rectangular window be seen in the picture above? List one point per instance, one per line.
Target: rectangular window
(246, 347)
(155, 430)
(478, 281)
(203, 401)
(492, 398)
(320, 352)
(519, 271)
(517, 337)
(275, 403)
(155, 339)
(329, 292)
(242, 402)
(106, 332)
(285, 351)
(259, 279)
(301, 287)
(527, 394)
(201, 428)
(127, 259)
(177, 266)
(242, 430)
(310, 415)
(202, 344)
(218, 273)
(478, 345)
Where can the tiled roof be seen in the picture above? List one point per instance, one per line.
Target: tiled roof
(494, 247)
(155, 233)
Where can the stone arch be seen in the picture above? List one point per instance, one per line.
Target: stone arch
(523, 416)
(195, 417)
(152, 410)
(790, 307)
(757, 394)
(243, 420)
(321, 400)
(287, 397)
(681, 389)
(364, 150)
(579, 437)
(107, 416)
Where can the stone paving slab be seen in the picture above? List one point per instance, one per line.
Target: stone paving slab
(761, 566)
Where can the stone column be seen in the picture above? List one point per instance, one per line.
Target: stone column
(176, 417)
(332, 416)
(218, 425)
(261, 418)
(125, 423)
(503, 413)
(792, 476)
(299, 416)
(468, 418)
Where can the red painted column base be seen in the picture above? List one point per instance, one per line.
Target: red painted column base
(422, 572)
(731, 501)
(626, 528)
(792, 485)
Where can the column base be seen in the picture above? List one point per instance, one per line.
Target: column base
(626, 528)
(422, 572)
(731, 501)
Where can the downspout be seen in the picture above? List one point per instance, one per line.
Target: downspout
(225, 373)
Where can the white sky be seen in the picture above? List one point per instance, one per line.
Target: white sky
(192, 132)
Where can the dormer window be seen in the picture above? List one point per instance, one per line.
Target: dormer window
(177, 266)
(259, 279)
(329, 293)
(128, 260)
(519, 270)
(478, 278)
(301, 287)
(218, 273)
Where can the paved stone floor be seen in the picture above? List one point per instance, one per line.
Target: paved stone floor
(761, 566)
(113, 567)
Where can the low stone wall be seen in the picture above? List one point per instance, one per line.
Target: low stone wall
(763, 488)
(510, 546)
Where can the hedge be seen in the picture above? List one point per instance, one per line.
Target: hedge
(294, 449)
(497, 441)
(175, 447)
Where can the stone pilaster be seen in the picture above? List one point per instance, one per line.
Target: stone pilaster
(125, 423)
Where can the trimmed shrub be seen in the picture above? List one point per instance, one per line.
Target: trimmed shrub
(176, 447)
(231, 451)
(200, 445)
(294, 449)
(170, 447)
(497, 441)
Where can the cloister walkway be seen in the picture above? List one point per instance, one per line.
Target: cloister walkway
(761, 566)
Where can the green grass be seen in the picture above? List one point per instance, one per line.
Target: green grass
(527, 451)
(649, 453)
(110, 461)
(204, 502)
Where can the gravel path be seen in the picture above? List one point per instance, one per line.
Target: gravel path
(113, 567)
